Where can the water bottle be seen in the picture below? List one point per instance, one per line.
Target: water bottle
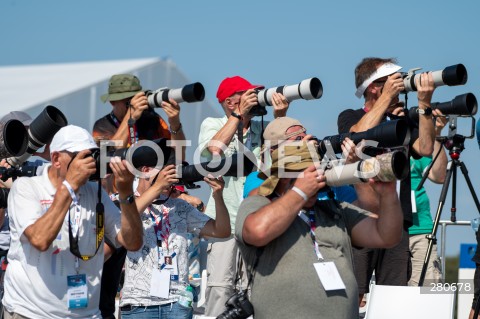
(186, 297)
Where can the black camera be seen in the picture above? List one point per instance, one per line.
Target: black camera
(461, 105)
(40, 132)
(4, 197)
(148, 153)
(308, 89)
(189, 93)
(387, 134)
(28, 169)
(229, 166)
(238, 307)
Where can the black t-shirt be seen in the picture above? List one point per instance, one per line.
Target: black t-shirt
(348, 118)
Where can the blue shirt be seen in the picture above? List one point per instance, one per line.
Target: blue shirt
(343, 193)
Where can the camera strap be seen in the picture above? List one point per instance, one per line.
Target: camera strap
(240, 133)
(99, 230)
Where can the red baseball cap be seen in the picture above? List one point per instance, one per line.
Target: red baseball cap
(230, 86)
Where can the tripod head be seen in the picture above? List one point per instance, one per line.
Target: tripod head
(455, 143)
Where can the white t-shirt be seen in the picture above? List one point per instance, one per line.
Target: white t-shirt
(233, 191)
(181, 219)
(35, 281)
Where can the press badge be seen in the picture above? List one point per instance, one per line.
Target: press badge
(169, 262)
(329, 277)
(160, 283)
(77, 296)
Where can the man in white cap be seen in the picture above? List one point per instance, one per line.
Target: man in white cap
(380, 83)
(58, 222)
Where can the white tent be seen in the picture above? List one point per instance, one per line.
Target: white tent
(75, 89)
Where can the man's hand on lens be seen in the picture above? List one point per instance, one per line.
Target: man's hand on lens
(172, 109)
(280, 104)
(425, 88)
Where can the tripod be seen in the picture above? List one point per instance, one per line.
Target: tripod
(455, 145)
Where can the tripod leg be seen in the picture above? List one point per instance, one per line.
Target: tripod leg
(451, 166)
(453, 209)
(464, 170)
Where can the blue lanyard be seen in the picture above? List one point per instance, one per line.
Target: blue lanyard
(310, 221)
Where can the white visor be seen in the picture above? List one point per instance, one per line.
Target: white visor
(384, 70)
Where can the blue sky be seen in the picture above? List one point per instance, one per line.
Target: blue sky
(268, 42)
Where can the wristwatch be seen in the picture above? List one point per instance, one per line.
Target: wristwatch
(129, 200)
(426, 111)
(238, 116)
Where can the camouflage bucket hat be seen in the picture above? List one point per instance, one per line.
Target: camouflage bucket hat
(121, 86)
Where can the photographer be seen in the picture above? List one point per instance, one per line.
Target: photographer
(56, 253)
(130, 102)
(166, 228)
(379, 82)
(219, 136)
(293, 240)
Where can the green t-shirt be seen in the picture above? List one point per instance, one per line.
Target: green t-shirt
(422, 219)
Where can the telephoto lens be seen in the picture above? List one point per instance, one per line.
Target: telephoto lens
(452, 75)
(40, 132)
(190, 93)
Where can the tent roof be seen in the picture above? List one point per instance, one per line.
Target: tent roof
(24, 86)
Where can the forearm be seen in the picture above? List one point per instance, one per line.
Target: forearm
(122, 134)
(271, 221)
(438, 171)
(279, 113)
(220, 226)
(43, 232)
(390, 220)
(373, 117)
(131, 231)
(367, 198)
(423, 146)
(180, 136)
(223, 136)
(147, 197)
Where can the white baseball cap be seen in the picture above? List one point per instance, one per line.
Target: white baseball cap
(72, 138)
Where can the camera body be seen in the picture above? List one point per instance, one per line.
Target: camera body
(238, 307)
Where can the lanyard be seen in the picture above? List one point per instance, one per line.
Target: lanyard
(132, 128)
(160, 222)
(310, 221)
